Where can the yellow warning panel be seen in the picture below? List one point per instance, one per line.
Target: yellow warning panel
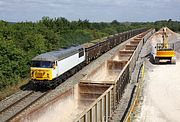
(165, 53)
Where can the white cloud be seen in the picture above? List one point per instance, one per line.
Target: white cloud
(94, 10)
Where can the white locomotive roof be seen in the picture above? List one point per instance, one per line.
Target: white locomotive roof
(57, 55)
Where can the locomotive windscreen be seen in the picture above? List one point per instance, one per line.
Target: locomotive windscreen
(41, 64)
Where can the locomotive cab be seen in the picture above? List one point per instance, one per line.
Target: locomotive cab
(42, 70)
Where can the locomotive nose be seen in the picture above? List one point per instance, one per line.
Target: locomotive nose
(41, 74)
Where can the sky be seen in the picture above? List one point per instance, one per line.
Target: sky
(92, 10)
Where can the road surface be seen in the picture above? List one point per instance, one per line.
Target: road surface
(161, 91)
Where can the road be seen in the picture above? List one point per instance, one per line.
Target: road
(161, 92)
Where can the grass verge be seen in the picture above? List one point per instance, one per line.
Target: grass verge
(12, 89)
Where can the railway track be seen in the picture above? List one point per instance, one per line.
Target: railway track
(13, 108)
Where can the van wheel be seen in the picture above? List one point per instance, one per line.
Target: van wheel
(173, 61)
(156, 60)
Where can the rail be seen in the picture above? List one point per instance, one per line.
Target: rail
(22, 103)
(15, 102)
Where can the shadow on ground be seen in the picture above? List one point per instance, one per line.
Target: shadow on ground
(30, 86)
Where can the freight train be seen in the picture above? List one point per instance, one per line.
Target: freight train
(51, 68)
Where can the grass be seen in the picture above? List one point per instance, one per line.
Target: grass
(12, 89)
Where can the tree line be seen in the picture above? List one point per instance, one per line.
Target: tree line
(21, 41)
